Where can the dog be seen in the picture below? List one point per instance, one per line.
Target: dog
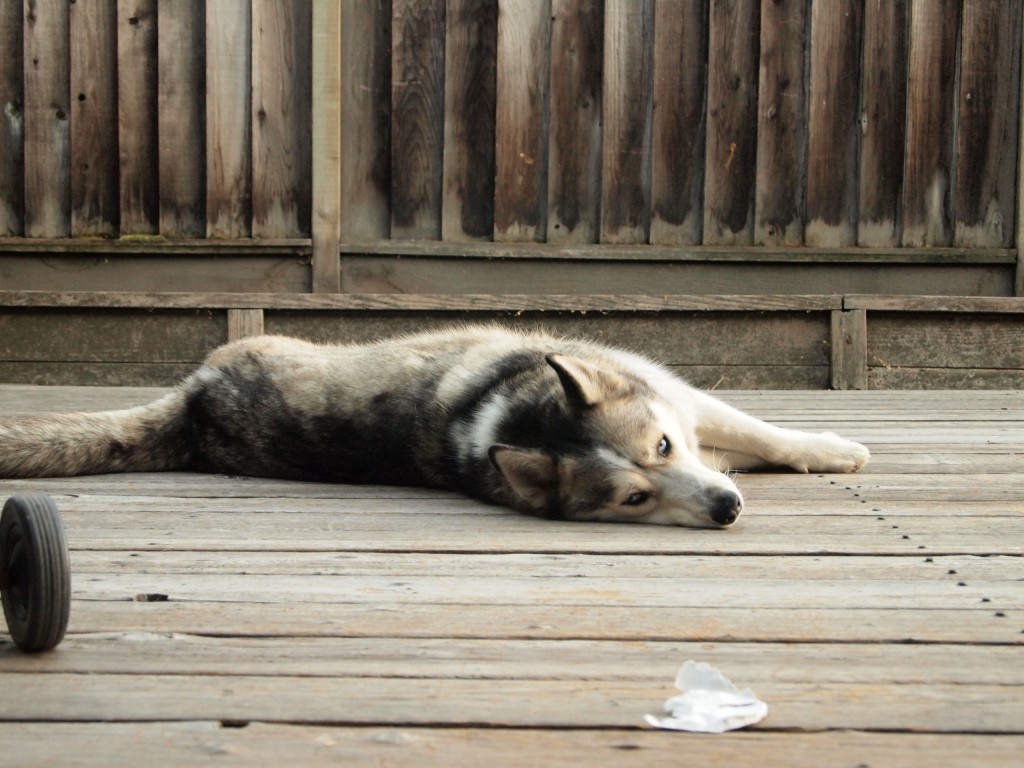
(558, 428)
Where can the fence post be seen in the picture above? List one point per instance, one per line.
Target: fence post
(849, 349)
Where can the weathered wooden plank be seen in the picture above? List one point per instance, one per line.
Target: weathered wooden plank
(47, 119)
(574, 146)
(281, 118)
(928, 167)
(325, 223)
(832, 131)
(498, 530)
(244, 322)
(531, 565)
(757, 664)
(731, 158)
(906, 377)
(471, 42)
(944, 341)
(95, 196)
(137, 120)
(521, 275)
(849, 349)
(626, 121)
(417, 118)
(521, 122)
(228, 116)
(103, 745)
(181, 108)
(980, 304)
(54, 373)
(781, 133)
(12, 120)
(551, 704)
(678, 130)
(755, 624)
(365, 119)
(883, 123)
(160, 337)
(987, 128)
(286, 270)
(607, 303)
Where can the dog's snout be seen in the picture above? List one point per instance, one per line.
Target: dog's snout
(726, 507)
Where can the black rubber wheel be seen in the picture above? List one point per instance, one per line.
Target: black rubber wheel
(34, 557)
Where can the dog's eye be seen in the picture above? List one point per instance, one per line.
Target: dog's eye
(636, 498)
(664, 447)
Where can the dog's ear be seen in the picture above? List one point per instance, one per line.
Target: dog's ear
(584, 383)
(532, 474)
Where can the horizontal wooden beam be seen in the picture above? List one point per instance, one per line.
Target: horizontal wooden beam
(998, 305)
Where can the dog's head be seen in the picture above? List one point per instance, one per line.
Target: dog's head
(634, 459)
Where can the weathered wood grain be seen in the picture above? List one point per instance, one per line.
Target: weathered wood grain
(181, 79)
(315, 746)
(47, 122)
(883, 123)
(678, 124)
(137, 117)
(928, 163)
(365, 120)
(12, 120)
(325, 155)
(626, 121)
(942, 341)
(95, 195)
(471, 42)
(988, 124)
(281, 118)
(553, 704)
(849, 349)
(731, 159)
(521, 122)
(575, 128)
(417, 118)
(832, 130)
(782, 125)
(228, 115)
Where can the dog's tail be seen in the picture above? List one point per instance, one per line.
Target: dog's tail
(149, 438)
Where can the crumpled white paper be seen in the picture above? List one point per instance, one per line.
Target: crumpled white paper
(710, 703)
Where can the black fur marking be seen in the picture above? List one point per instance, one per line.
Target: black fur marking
(244, 425)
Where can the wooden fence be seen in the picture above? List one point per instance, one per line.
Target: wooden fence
(817, 123)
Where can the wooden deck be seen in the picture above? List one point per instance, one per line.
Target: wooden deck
(238, 621)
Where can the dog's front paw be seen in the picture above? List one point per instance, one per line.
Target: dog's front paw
(828, 452)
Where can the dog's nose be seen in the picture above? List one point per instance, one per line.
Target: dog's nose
(726, 507)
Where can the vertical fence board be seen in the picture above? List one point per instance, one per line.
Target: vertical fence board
(95, 198)
(282, 118)
(732, 122)
(326, 150)
(833, 123)
(677, 161)
(417, 117)
(524, 52)
(12, 120)
(626, 101)
(365, 119)
(228, 115)
(987, 128)
(574, 146)
(781, 135)
(934, 25)
(180, 105)
(883, 123)
(469, 94)
(139, 184)
(47, 123)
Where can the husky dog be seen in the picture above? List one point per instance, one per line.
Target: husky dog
(553, 427)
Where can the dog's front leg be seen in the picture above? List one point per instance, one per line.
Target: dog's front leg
(740, 441)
